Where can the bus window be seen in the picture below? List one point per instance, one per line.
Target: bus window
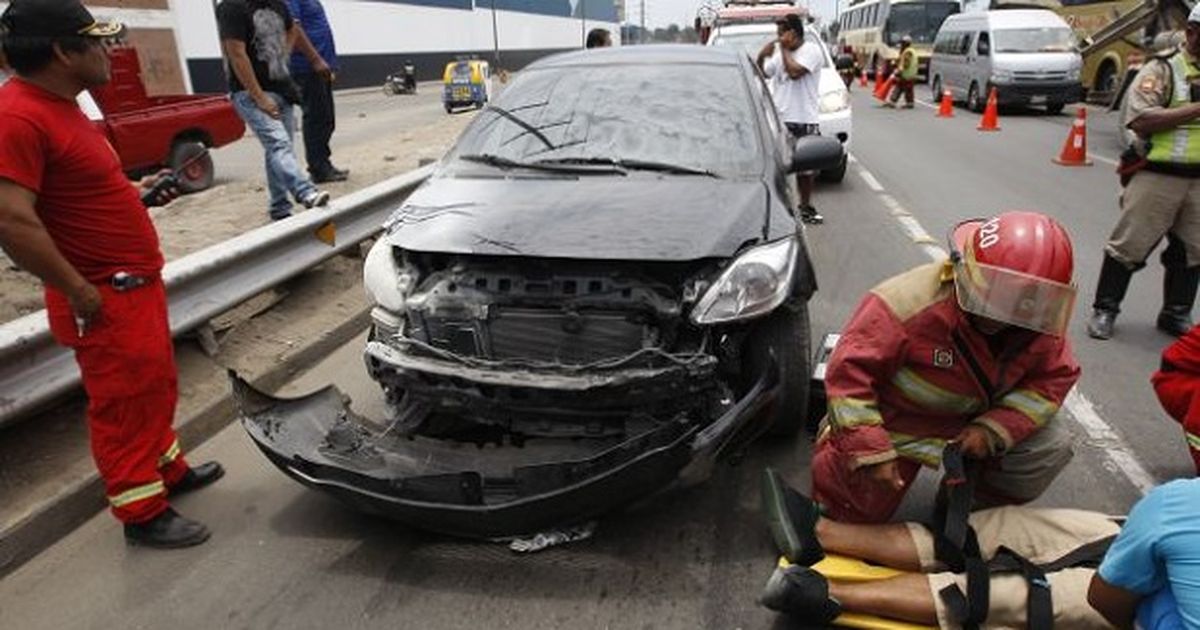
(918, 20)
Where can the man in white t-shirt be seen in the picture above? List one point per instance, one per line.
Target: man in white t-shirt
(793, 66)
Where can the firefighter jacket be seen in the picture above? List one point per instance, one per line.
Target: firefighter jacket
(910, 372)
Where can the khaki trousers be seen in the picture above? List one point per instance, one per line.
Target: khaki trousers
(1040, 535)
(1152, 205)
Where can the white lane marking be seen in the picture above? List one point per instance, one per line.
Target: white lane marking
(872, 183)
(1119, 458)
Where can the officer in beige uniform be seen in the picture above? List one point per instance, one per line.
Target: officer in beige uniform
(1163, 198)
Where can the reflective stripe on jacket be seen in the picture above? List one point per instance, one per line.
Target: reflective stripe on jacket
(908, 64)
(910, 372)
(1180, 145)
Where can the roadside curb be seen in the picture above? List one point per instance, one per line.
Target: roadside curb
(78, 500)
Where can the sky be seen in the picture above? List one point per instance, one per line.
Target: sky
(661, 13)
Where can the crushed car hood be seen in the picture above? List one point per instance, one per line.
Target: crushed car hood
(638, 217)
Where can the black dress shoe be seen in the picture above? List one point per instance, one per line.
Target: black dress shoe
(197, 477)
(802, 593)
(168, 530)
(330, 175)
(792, 518)
(1174, 323)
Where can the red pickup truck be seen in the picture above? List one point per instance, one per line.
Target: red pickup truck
(154, 132)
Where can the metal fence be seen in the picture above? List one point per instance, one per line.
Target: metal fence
(34, 370)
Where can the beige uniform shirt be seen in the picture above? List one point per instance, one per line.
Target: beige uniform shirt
(1151, 88)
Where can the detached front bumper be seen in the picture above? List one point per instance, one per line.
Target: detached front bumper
(490, 491)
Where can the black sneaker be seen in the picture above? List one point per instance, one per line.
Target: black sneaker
(330, 175)
(802, 593)
(168, 530)
(792, 518)
(809, 215)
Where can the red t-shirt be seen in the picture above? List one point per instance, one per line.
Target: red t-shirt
(91, 210)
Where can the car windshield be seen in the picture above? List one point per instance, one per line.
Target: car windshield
(753, 42)
(665, 117)
(1032, 40)
(918, 20)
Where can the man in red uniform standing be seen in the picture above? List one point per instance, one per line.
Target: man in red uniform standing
(69, 216)
(972, 351)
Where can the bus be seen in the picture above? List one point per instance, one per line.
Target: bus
(1111, 34)
(872, 30)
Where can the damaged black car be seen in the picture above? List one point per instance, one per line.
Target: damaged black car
(601, 289)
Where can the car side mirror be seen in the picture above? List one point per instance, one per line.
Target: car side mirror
(816, 153)
(844, 62)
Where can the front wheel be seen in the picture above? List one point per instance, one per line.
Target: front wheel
(784, 334)
(835, 175)
(935, 90)
(974, 102)
(1055, 108)
(192, 165)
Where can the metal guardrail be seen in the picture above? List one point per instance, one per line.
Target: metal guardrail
(34, 370)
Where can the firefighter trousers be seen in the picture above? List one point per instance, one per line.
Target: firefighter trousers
(127, 362)
(1019, 476)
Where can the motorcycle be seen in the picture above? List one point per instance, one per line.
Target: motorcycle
(403, 82)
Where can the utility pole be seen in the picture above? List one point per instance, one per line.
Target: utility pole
(642, 34)
(495, 35)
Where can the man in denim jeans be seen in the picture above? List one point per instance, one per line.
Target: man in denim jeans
(257, 37)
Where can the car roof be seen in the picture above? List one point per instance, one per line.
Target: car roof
(1009, 18)
(651, 53)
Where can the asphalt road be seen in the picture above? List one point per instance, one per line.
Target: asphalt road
(285, 557)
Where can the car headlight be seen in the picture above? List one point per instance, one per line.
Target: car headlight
(835, 101)
(1073, 74)
(386, 284)
(1002, 76)
(754, 284)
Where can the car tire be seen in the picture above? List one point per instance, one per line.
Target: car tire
(835, 175)
(974, 102)
(786, 331)
(196, 176)
(1055, 109)
(935, 90)
(449, 108)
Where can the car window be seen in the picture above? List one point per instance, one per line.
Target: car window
(1034, 40)
(667, 113)
(984, 45)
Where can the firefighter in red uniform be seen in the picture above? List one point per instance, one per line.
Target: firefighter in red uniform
(69, 216)
(970, 350)
(1177, 383)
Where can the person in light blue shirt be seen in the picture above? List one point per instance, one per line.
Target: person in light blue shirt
(1154, 560)
(316, 87)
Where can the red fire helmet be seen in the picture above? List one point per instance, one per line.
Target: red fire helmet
(1015, 268)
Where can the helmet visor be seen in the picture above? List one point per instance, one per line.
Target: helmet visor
(1013, 297)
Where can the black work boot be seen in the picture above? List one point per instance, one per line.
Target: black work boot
(1110, 291)
(1179, 293)
(197, 477)
(168, 530)
(793, 521)
(802, 593)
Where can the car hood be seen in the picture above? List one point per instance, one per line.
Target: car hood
(639, 217)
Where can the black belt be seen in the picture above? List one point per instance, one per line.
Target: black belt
(1178, 170)
(125, 281)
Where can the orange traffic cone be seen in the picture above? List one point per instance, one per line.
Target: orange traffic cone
(946, 110)
(862, 78)
(878, 80)
(1074, 152)
(991, 114)
(885, 89)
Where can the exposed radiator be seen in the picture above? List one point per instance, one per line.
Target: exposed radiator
(572, 339)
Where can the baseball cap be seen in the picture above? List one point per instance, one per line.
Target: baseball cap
(55, 18)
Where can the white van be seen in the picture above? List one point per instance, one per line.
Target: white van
(1028, 55)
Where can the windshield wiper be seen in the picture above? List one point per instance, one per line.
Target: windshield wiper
(508, 163)
(524, 125)
(634, 165)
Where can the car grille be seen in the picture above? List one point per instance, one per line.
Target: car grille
(540, 335)
(1025, 75)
